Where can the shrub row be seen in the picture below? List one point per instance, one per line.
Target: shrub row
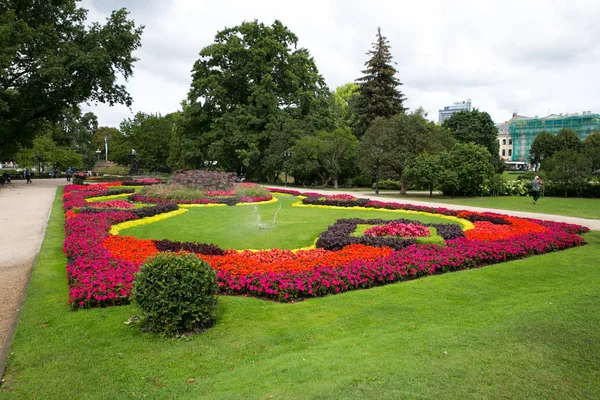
(206, 180)
(324, 201)
(139, 212)
(197, 248)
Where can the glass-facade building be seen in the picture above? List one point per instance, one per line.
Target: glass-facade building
(456, 107)
(524, 131)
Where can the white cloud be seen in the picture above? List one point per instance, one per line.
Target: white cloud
(531, 56)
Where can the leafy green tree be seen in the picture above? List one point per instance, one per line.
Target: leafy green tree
(425, 172)
(543, 147)
(119, 145)
(304, 164)
(476, 127)
(283, 135)
(50, 60)
(344, 99)
(45, 152)
(568, 169)
(250, 77)
(591, 149)
(150, 137)
(568, 139)
(378, 93)
(337, 153)
(77, 132)
(326, 155)
(396, 142)
(466, 170)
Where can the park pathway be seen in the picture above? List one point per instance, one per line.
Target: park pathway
(24, 212)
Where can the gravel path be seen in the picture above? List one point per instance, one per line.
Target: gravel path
(24, 212)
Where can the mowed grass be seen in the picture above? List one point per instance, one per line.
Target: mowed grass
(239, 227)
(572, 207)
(524, 329)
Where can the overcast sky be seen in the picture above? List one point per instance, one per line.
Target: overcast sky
(526, 56)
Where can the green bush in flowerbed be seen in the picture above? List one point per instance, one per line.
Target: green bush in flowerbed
(176, 294)
(207, 180)
(176, 191)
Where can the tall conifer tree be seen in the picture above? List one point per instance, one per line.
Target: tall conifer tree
(379, 94)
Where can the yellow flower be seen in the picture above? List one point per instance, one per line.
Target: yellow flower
(466, 224)
(115, 229)
(111, 197)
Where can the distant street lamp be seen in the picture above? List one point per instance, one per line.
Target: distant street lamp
(287, 155)
(377, 170)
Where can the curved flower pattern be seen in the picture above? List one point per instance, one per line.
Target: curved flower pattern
(101, 266)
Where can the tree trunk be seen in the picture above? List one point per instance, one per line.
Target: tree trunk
(403, 186)
(431, 191)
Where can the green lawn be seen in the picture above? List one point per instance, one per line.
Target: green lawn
(573, 207)
(239, 227)
(524, 329)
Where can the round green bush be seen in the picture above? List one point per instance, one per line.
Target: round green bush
(176, 294)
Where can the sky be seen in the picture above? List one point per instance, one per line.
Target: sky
(531, 57)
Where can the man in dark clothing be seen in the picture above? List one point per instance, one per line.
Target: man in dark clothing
(28, 175)
(535, 188)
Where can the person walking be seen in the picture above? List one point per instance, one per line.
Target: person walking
(28, 175)
(68, 174)
(535, 188)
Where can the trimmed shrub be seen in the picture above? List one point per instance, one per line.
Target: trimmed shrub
(114, 169)
(78, 179)
(198, 248)
(388, 184)
(176, 294)
(205, 180)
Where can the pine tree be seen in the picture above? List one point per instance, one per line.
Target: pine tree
(379, 95)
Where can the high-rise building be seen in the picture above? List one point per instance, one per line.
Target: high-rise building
(456, 107)
(524, 131)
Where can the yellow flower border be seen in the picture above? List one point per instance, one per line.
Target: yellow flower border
(466, 224)
(273, 200)
(105, 198)
(115, 229)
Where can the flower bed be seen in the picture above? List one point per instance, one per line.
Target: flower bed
(101, 267)
(340, 234)
(399, 229)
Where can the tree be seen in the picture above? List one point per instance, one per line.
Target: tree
(119, 145)
(150, 136)
(337, 153)
(51, 61)
(568, 139)
(283, 136)
(326, 155)
(568, 169)
(543, 147)
(378, 93)
(466, 170)
(77, 132)
(476, 127)
(425, 172)
(591, 150)
(46, 152)
(397, 141)
(343, 99)
(251, 76)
